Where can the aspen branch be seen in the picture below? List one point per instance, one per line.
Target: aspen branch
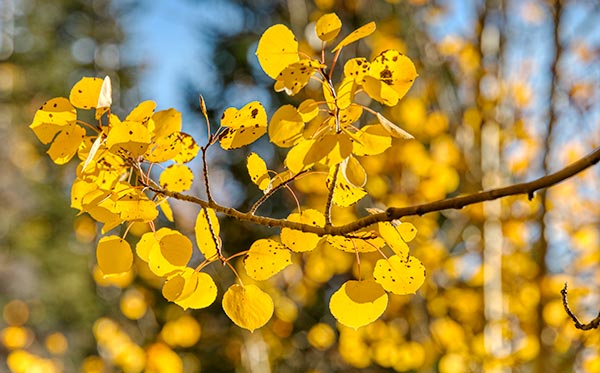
(393, 213)
(587, 326)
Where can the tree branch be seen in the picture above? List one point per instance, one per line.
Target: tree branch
(588, 326)
(392, 213)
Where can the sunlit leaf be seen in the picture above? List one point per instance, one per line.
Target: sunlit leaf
(391, 74)
(295, 160)
(358, 303)
(199, 291)
(308, 110)
(244, 126)
(174, 251)
(85, 93)
(296, 76)
(357, 34)
(277, 48)
(257, 169)
(66, 143)
(104, 97)
(207, 225)
(392, 237)
(135, 206)
(345, 93)
(353, 172)
(51, 118)
(286, 127)
(128, 138)
(173, 287)
(407, 231)
(393, 129)
(114, 255)
(266, 258)
(371, 139)
(166, 209)
(177, 178)
(302, 241)
(399, 275)
(247, 306)
(328, 26)
(166, 123)
(188, 148)
(345, 194)
(356, 68)
(148, 240)
(142, 113)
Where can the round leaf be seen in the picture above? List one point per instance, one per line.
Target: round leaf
(399, 276)
(114, 255)
(328, 26)
(358, 303)
(277, 48)
(266, 258)
(248, 306)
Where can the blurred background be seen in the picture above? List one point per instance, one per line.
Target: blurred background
(506, 92)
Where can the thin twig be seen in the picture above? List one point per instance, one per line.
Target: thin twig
(588, 326)
(329, 203)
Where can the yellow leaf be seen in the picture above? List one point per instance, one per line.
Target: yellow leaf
(266, 258)
(188, 148)
(371, 139)
(391, 74)
(345, 94)
(353, 172)
(295, 160)
(173, 287)
(207, 224)
(244, 126)
(66, 143)
(308, 110)
(198, 292)
(52, 117)
(174, 251)
(104, 97)
(128, 138)
(398, 275)
(358, 303)
(356, 68)
(149, 239)
(176, 178)
(407, 231)
(163, 203)
(392, 237)
(257, 169)
(85, 93)
(286, 127)
(277, 48)
(345, 194)
(296, 76)
(247, 306)
(114, 255)
(357, 34)
(166, 123)
(301, 241)
(328, 26)
(393, 129)
(135, 206)
(142, 113)
(336, 147)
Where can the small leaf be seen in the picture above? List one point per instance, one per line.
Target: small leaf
(302, 241)
(353, 172)
(244, 126)
(277, 49)
(173, 287)
(399, 276)
(393, 129)
(392, 237)
(85, 93)
(358, 303)
(207, 222)
(286, 127)
(188, 148)
(266, 258)
(296, 76)
(356, 68)
(357, 34)
(345, 194)
(198, 292)
(104, 97)
(177, 178)
(148, 240)
(328, 26)
(257, 169)
(407, 231)
(129, 137)
(248, 306)
(52, 117)
(371, 139)
(66, 143)
(114, 255)
(391, 74)
(166, 123)
(132, 205)
(308, 110)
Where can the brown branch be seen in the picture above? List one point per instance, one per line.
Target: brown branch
(588, 326)
(392, 213)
